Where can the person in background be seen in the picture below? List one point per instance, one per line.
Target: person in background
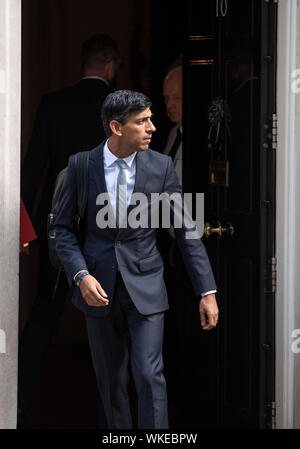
(67, 121)
(172, 93)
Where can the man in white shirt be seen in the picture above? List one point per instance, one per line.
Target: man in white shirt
(119, 271)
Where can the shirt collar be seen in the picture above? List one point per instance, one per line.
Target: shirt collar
(92, 77)
(109, 158)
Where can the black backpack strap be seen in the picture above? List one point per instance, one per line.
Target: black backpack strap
(81, 161)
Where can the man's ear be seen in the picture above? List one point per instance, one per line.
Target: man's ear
(116, 127)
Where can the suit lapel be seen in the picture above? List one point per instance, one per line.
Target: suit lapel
(98, 175)
(140, 174)
(97, 168)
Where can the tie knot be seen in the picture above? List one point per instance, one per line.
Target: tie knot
(121, 163)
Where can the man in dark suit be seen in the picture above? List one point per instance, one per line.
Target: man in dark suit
(118, 270)
(172, 92)
(67, 121)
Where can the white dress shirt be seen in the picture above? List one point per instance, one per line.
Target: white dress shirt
(94, 77)
(178, 156)
(177, 161)
(111, 172)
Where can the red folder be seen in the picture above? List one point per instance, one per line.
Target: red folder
(27, 232)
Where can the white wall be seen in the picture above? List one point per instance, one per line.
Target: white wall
(10, 82)
(296, 392)
(288, 216)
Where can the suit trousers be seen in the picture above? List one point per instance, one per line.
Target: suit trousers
(125, 336)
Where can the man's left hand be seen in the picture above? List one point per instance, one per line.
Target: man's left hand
(209, 312)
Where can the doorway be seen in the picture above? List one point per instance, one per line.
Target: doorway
(228, 50)
(52, 34)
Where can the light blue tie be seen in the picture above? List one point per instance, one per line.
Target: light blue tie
(121, 194)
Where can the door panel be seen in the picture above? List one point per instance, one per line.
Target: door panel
(238, 338)
(223, 114)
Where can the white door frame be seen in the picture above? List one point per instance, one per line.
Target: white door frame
(10, 109)
(287, 214)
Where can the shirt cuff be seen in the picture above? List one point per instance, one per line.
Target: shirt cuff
(208, 293)
(77, 274)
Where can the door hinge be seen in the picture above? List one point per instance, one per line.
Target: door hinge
(271, 276)
(271, 136)
(274, 131)
(273, 415)
(274, 274)
(270, 414)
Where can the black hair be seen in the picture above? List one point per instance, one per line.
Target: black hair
(97, 50)
(119, 104)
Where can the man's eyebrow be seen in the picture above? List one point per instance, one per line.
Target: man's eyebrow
(146, 117)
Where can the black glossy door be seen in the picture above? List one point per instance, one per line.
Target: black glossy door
(229, 154)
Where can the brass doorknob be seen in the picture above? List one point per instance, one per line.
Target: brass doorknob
(209, 230)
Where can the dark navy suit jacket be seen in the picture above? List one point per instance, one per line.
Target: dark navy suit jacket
(133, 251)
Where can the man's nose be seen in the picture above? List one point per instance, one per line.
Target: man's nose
(151, 127)
(170, 103)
